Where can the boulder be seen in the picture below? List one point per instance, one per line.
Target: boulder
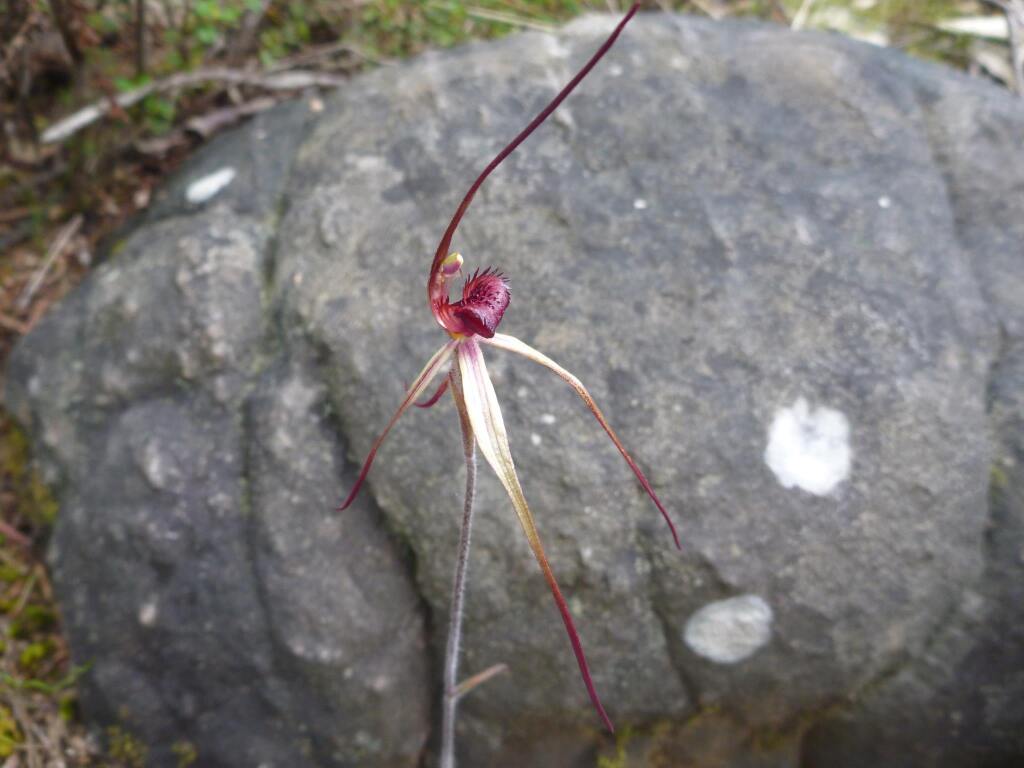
(789, 268)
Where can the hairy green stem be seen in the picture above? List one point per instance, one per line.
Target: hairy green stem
(451, 657)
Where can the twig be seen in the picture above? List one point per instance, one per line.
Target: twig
(316, 54)
(60, 242)
(245, 38)
(11, 533)
(20, 328)
(25, 594)
(507, 18)
(67, 34)
(708, 10)
(804, 12)
(208, 124)
(1014, 12)
(779, 12)
(478, 679)
(140, 38)
(451, 657)
(14, 214)
(279, 81)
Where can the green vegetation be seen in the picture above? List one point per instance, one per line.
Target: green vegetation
(10, 732)
(186, 753)
(620, 759)
(124, 748)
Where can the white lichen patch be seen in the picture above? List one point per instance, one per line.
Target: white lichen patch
(591, 25)
(802, 228)
(554, 47)
(207, 187)
(809, 448)
(158, 466)
(148, 613)
(678, 62)
(729, 631)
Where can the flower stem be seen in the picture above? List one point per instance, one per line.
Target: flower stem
(451, 658)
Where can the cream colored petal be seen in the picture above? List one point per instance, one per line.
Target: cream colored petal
(489, 428)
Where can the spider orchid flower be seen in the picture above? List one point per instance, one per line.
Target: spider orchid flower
(471, 323)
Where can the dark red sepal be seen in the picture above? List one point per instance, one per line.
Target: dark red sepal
(436, 291)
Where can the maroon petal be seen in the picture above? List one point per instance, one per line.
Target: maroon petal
(485, 297)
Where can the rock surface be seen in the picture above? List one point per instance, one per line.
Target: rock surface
(789, 267)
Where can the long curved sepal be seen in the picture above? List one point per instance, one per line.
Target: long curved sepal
(512, 344)
(489, 428)
(426, 376)
(435, 284)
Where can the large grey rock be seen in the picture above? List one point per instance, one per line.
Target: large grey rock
(790, 269)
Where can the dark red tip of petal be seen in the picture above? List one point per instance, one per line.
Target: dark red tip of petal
(434, 397)
(574, 640)
(359, 481)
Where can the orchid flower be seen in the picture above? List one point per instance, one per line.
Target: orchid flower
(471, 323)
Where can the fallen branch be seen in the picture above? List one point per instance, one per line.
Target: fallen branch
(278, 81)
(60, 242)
(316, 54)
(208, 124)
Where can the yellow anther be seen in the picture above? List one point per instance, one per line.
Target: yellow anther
(452, 264)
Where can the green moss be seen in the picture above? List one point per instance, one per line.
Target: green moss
(33, 655)
(43, 686)
(10, 734)
(67, 707)
(619, 760)
(32, 499)
(997, 477)
(186, 753)
(33, 619)
(126, 748)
